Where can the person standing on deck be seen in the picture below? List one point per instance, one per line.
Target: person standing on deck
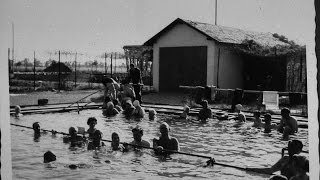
(165, 141)
(288, 125)
(135, 78)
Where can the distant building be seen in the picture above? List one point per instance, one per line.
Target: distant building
(199, 54)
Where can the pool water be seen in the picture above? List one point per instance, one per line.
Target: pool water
(228, 144)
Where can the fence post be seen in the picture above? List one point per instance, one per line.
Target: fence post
(59, 72)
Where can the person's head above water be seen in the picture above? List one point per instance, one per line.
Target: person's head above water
(186, 109)
(294, 147)
(49, 157)
(204, 103)
(152, 113)
(92, 121)
(257, 114)
(72, 131)
(136, 103)
(164, 129)
(115, 139)
(17, 109)
(238, 107)
(285, 112)
(267, 118)
(110, 105)
(36, 127)
(137, 133)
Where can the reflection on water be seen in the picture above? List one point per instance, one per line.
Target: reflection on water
(234, 145)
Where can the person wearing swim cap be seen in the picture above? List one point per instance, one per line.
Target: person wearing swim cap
(137, 136)
(286, 164)
(138, 111)
(288, 124)
(165, 141)
(205, 113)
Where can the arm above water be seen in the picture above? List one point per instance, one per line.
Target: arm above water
(269, 170)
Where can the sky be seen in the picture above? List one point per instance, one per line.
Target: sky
(98, 26)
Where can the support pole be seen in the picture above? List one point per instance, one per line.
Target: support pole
(59, 72)
(75, 71)
(105, 64)
(111, 65)
(34, 70)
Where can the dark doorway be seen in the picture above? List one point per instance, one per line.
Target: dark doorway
(182, 66)
(265, 73)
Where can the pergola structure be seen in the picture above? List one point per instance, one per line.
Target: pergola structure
(141, 56)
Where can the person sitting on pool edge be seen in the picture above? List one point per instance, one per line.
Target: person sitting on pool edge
(288, 125)
(205, 113)
(115, 144)
(73, 138)
(137, 136)
(184, 114)
(285, 164)
(165, 141)
(138, 111)
(241, 116)
(96, 141)
(92, 122)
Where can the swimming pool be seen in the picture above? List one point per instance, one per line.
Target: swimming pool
(238, 146)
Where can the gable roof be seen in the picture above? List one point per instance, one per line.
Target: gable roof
(222, 34)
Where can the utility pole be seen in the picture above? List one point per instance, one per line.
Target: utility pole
(216, 13)
(12, 45)
(111, 65)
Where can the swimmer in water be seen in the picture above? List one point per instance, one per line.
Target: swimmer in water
(165, 141)
(257, 122)
(184, 114)
(268, 126)
(138, 111)
(288, 124)
(302, 167)
(92, 122)
(36, 128)
(96, 141)
(205, 113)
(110, 111)
(116, 105)
(152, 114)
(48, 158)
(241, 116)
(137, 136)
(285, 165)
(128, 108)
(115, 144)
(17, 111)
(73, 138)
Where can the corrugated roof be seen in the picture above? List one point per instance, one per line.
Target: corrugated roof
(224, 34)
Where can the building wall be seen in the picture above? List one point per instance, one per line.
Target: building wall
(179, 36)
(230, 69)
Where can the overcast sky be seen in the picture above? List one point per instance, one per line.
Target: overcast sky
(99, 26)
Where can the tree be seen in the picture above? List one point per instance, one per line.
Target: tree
(95, 63)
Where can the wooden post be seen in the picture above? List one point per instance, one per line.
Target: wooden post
(34, 70)
(75, 71)
(111, 65)
(59, 73)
